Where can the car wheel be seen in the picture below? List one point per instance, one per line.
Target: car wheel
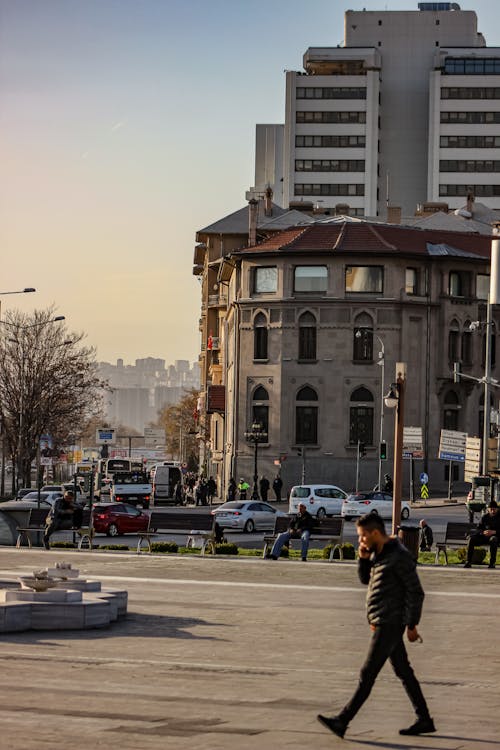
(112, 530)
(249, 527)
(321, 514)
(405, 513)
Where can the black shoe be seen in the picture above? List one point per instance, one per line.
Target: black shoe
(334, 724)
(467, 565)
(304, 559)
(491, 565)
(273, 557)
(421, 726)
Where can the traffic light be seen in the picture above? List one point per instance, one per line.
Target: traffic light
(362, 450)
(383, 451)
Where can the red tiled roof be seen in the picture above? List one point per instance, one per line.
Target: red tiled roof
(366, 238)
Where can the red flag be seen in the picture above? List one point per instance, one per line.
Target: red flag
(210, 341)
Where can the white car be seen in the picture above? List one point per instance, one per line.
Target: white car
(360, 503)
(46, 498)
(320, 499)
(246, 515)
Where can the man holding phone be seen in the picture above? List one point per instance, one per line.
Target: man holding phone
(394, 604)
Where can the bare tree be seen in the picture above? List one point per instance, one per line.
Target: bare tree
(180, 427)
(48, 384)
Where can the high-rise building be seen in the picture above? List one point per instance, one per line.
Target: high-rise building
(406, 112)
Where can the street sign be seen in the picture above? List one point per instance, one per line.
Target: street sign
(154, 435)
(424, 492)
(105, 436)
(424, 478)
(412, 442)
(452, 445)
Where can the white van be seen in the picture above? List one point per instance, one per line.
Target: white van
(164, 478)
(320, 499)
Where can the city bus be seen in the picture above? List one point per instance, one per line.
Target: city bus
(106, 468)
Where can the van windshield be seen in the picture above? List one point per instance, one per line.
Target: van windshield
(301, 492)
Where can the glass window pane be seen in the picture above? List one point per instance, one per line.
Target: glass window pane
(266, 279)
(364, 279)
(310, 279)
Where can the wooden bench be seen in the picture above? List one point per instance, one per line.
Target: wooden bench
(326, 530)
(36, 525)
(456, 535)
(190, 524)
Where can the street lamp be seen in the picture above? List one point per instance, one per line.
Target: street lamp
(256, 434)
(395, 399)
(381, 362)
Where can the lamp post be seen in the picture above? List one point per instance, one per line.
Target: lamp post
(395, 399)
(381, 363)
(256, 434)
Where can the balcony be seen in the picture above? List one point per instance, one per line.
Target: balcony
(217, 300)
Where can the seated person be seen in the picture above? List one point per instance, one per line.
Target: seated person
(487, 533)
(60, 516)
(300, 527)
(426, 536)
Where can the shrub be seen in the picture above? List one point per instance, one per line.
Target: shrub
(122, 547)
(477, 557)
(63, 545)
(348, 551)
(164, 547)
(226, 548)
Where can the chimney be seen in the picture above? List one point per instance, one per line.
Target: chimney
(253, 207)
(268, 201)
(470, 202)
(394, 214)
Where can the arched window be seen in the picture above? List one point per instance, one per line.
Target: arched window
(361, 417)
(451, 407)
(454, 342)
(362, 343)
(306, 417)
(467, 344)
(260, 408)
(260, 337)
(307, 337)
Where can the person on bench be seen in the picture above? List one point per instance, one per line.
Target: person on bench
(300, 528)
(488, 532)
(426, 536)
(60, 516)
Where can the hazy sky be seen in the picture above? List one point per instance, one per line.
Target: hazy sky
(125, 126)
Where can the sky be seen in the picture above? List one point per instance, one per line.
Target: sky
(126, 126)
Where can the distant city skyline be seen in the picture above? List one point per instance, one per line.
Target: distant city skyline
(124, 128)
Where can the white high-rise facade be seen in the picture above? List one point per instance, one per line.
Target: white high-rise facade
(406, 111)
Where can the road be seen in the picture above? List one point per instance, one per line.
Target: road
(437, 518)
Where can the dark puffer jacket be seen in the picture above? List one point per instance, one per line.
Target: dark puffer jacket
(394, 595)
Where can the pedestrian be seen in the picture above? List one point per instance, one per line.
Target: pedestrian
(387, 485)
(426, 536)
(394, 604)
(300, 527)
(201, 492)
(264, 488)
(179, 494)
(488, 531)
(277, 487)
(231, 490)
(243, 488)
(211, 489)
(60, 516)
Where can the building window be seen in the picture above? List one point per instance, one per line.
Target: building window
(451, 408)
(332, 141)
(306, 417)
(310, 279)
(331, 92)
(260, 337)
(329, 165)
(265, 279)
(466, 345)
(493, 347)
(364, 279)
(361, 417)
(470, 118)
(480, 191)
(362, 349)
(260, 409)
(307, 337)
(469, 165)
(411, 281)
(335, 117)
(469, 141)
(459, 283)
(459, 66)
(320, 188)
(482, 286)
(454, 342)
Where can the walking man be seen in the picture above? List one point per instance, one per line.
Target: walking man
(394, 604)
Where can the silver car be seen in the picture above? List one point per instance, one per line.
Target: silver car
(248, 516)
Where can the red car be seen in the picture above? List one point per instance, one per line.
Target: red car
(115, 519)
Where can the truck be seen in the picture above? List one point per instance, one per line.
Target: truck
(131, 487)
(165, 477)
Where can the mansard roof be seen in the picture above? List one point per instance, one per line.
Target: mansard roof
(365, 238)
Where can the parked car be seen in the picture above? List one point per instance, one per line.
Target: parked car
(53, 488)
(359, 503)
(249, 516)
(22, 492)
(46, 498)
(320, 499)
(115, 519)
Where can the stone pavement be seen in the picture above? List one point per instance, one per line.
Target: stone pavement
(230, 654)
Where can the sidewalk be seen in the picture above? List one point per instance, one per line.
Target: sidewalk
(231, 654)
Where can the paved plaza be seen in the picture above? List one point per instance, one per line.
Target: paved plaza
(242, 654)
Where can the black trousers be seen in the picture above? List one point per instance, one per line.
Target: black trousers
(480, 540)
(386, 643)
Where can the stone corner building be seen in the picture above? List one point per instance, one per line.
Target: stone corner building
(302, 318)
